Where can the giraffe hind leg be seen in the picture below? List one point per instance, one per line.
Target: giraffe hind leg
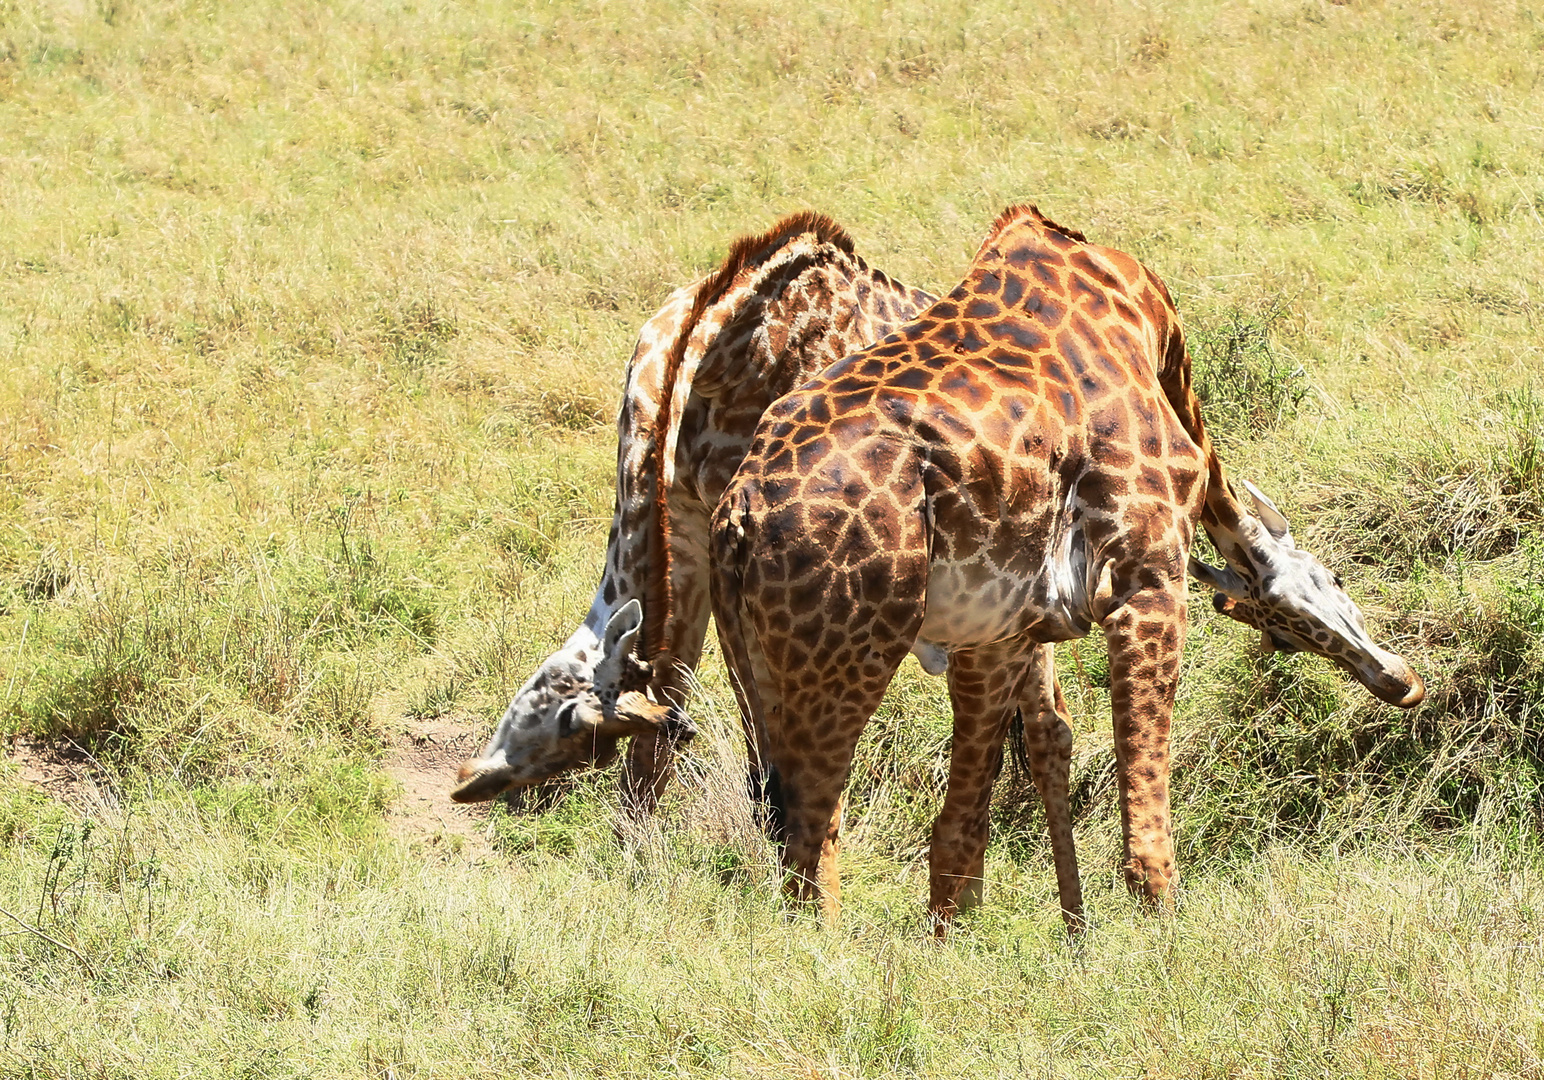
(984, 685)
(811, 757)
(816, 611)
(815, 701)
(1047, 734)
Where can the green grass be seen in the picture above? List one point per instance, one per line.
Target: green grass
(312, 325)
(303, 955)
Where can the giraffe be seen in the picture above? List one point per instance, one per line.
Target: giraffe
(1022, 461)
(782, 306)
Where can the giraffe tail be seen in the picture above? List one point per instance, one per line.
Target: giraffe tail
(1018, 752)
(728, 553)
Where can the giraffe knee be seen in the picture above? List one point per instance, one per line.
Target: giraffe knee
(1060, 738)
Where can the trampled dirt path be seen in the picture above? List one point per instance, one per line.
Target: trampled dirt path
(59, 767)
(423, 758)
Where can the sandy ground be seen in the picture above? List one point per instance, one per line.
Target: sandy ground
(60, 767)
(423, 758)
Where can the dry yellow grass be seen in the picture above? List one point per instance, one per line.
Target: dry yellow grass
(312, 322)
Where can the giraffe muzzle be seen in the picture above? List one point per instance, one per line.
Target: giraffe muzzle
(1396, 684)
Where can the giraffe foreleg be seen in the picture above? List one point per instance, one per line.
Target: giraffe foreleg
(1048, 745)
(1145, 637)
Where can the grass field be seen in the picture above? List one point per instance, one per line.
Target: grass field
(312, 326)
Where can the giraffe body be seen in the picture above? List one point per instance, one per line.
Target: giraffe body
(783, 306)
(1021, 462)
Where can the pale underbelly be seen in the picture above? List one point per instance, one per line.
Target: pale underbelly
(970, 603)
(964, 611)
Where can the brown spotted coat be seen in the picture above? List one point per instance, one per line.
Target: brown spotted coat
(1001, 474)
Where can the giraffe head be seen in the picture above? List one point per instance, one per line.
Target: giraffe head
(571, 714)
(1297, 604)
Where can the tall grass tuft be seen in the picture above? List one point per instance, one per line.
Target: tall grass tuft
(1445, 497)
(1247, 387)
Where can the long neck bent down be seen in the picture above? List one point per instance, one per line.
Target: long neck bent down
(1224, 519)
(783, 307)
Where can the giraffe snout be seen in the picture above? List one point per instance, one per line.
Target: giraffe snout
(1391, 680)
(480, 781)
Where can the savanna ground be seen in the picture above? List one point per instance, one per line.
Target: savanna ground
(313, 319)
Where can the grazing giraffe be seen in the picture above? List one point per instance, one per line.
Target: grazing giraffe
(782, 306)
(1024, 460)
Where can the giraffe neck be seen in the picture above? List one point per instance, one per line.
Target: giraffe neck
(632, 519)
(780, 308)
(1231, 528)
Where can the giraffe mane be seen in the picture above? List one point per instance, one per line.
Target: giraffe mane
(746, 251)
(1020, 213)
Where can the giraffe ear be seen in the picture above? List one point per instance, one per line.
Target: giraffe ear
(1274, 520)
(1225, 581)
(622, 628)
(618, 670)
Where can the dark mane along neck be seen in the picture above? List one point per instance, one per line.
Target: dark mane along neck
(1221, 513)
(1025, 214)
(745, 252)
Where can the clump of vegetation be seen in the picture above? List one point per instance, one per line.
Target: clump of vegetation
(1245, 384)
(1444, 497)
(49, 576)
(1282, 749)
(160, 672)
(414, 334)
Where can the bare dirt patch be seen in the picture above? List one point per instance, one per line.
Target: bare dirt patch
(423, 758)
(60, 767)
